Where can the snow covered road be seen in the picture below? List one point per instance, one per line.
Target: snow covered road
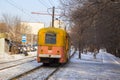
(104, 67)
(9, 73)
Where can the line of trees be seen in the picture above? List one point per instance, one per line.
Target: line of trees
(95, 24)
(12, 27)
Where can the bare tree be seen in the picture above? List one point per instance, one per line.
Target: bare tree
(97, 23)
(14, 29)
(3, 28)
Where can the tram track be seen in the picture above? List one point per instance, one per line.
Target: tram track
(57, 69)
(15, 60)
(40, 71)
(12, 72)
(14, 63)
(25, 73)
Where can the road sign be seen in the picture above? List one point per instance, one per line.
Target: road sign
(23, 38)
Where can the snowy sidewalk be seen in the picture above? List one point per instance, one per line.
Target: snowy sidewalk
(101, 57)
(6, 57)
(88, 68)
(88, 57)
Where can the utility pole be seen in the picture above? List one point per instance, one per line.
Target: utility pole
(53, 11)
(53, 14)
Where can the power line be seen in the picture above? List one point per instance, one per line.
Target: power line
(13, 4)
(45, 5)
(17, 4)
(54, 2)
(63, 2)
(50, 2)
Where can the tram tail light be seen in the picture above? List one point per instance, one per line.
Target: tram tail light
(58, 52)
(41, 51)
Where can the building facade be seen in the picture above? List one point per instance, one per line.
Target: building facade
(34, 27)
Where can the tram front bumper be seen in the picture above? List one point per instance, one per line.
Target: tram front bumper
(49, 56)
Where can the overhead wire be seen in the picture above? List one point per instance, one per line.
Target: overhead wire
(21, 8)
(45, 5)
(53, 1)
(13, 4)
(63, 2)
(50, 2)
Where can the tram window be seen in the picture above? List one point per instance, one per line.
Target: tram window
(50, 38)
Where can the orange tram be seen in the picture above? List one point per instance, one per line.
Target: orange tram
(53, 45)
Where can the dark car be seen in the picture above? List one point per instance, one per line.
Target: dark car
(23, 49)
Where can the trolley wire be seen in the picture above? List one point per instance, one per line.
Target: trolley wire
(50, 2)
(41, 2)
(12, 3)
(53, 2)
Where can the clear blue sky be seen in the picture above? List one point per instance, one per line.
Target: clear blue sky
(23, 9)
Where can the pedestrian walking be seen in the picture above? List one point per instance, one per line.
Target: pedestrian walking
(95, 53)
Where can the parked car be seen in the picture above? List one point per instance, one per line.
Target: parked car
(23, 49)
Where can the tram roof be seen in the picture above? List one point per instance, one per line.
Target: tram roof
(52, 29)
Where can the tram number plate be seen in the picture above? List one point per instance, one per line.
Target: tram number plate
(49, 51)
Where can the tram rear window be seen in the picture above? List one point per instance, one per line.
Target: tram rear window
(50, 38)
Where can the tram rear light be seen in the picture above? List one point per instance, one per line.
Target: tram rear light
(41, 51)
(58, 52)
